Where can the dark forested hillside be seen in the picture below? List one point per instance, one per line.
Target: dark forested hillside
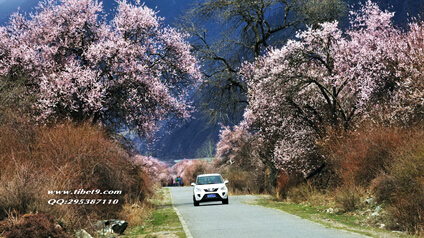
(194, 139)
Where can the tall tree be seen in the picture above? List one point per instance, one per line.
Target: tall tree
(245, 29)
(325, 81)
(133, 71)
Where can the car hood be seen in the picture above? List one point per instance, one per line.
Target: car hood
(206, 186)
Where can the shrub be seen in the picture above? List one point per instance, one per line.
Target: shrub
(189, 169)
(40, 225)
(349, 198)
(240, 181)
(406, 199)
(37, 159)
(19, 193)
(136, 212)
(382, 187)
(406, 213)
(157, 170)
(243, 180)
(288, 184)
(390, 161)
(387, 160)
(357, 157)
(283, 185)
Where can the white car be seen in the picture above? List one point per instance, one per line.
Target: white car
(209, 187)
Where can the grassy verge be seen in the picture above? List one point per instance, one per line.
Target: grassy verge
(357, 222)
(163, 223)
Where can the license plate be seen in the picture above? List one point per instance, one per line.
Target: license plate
(211, 195)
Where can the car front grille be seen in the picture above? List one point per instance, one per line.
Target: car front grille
(210, 190)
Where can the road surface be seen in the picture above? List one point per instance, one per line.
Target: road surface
(237, 219)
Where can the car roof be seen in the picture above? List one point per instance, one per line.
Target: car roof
(206, 175)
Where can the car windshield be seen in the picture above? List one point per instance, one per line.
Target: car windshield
(209, 180)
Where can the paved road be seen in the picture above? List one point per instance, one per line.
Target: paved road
(237, 219)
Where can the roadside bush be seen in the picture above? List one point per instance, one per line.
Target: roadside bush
(37, 159)
(308, 193)
(300, 193)
(349, 198)
(189, 169)
(157, 170)
(386, 163)
(406, 214)
(136, 212)
(383, 187)
(406, 182)
(389, 161)
(238, 156)
(240, 181)
(40, 225)
(287, 186)
(357, 157)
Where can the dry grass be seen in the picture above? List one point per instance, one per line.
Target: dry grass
(306, 193)
(136, 212)
(389, 162)
(38, 225)
(292, 186)
(403, 189)
(37, 159)
(359, 156)
(244, 180)
(349, 198)
(241, 182)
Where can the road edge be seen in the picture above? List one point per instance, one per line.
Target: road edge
(183, 223)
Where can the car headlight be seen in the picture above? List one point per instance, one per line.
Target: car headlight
(198, 190)
(223, 188)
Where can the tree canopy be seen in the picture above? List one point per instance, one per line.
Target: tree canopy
(227, 33)
(132, 71)
(326, 81)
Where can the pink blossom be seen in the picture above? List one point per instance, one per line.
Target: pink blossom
(324, 80)
(134, 71)
(157, 170)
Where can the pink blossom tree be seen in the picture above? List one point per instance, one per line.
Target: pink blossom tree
(133, 71)
(231, 141)
(408, 108)
(189, 169)
(157, 170)
(326, 80)
(181, 168)
(238, 148)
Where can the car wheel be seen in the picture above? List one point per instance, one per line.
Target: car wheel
(195, 203)
(225, 201)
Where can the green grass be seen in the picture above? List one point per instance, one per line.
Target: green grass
(163, 222)
(357, 221)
